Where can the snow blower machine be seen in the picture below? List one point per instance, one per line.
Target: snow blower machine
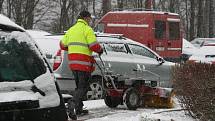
(134, 92)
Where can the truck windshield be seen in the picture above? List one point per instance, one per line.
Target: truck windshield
(18, 60)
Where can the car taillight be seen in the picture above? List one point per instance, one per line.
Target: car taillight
(57, 59)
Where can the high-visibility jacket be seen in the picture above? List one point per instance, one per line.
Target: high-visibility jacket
(80, 41)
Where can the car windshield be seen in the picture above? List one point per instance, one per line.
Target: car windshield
(18, 60)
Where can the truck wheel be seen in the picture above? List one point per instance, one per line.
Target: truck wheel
(96, 91)
(131, 99)
(111, 102)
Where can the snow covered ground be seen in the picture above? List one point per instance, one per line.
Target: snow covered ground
(98, 111)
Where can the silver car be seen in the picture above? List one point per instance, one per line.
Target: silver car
(122, 57)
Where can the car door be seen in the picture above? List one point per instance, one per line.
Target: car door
(148, 65)
(118, 60)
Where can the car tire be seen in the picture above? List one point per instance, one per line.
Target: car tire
(95, 91)
(131, 98)
(111, 102)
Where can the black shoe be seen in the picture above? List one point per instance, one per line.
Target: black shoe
(82, 112)
(71, 113)
(72, 116)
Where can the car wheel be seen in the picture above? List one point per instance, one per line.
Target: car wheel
(111, 102)
(96, 91)
(131, 99)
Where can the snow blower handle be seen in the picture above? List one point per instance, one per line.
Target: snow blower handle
(103, 64)
(105, 77)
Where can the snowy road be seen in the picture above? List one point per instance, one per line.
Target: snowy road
(100, 112)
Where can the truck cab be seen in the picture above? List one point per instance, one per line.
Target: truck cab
(160, 31)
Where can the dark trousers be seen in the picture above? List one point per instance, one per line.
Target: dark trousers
(82, 86)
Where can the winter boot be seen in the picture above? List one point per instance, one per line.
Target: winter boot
(82, 112)
(71, 110)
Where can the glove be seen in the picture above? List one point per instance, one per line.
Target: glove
(101, 52)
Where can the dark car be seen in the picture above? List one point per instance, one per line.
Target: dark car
(28, 89)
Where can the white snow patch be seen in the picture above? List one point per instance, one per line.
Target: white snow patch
(17, 96)
(188, 48)
(141, 114)
(15, 91)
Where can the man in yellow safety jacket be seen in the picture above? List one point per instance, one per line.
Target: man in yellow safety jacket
(80, 41)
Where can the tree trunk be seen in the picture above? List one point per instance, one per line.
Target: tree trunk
(17, 7)
(9, 7)
(64, 16)
(153, 5)
(200, 19)
(192, 19)
(120, 4)
(211, 19)
(29, 13)
(106, 6)
(94, 7)
(187, 21)
(148, 4)
(172, 6)
(206, 18)
(1, 3)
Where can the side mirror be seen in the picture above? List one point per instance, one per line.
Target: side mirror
(160, 60)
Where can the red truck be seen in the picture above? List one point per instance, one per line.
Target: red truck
(160, 31)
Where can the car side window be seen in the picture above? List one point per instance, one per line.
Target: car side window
(115, 47)
(139, 50)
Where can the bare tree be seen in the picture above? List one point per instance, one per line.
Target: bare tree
(206, 18)
(28, 21)
(120, 4)
(200, 19)
(192, 19)
(106, 6)
(172, 5)
(1, 3)
(64, 15)
(148, 4)
(187, 20)
(211, 19)
(9, 8)
(18, 11)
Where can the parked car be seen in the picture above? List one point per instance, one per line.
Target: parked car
(123, 57)
(28, 89)
(187, 50)
(199, 42)
(205, 54)
(48, 43)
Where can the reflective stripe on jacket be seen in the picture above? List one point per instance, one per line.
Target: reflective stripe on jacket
(80, 41)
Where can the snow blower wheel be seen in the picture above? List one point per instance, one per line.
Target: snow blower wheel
(111, 102)
(131, 98)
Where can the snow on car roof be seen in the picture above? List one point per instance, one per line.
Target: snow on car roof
(6, 21)
(205, 50)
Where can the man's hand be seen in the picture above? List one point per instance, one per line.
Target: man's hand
(101, 52)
